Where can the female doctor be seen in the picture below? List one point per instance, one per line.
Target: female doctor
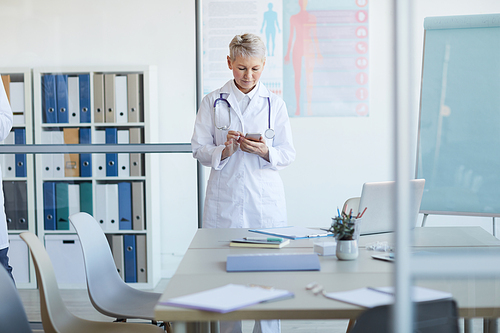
(244, 189)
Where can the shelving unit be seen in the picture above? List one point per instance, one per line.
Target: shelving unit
(110, 90)
(19, 184)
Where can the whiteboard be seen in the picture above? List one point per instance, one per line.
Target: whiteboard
(459, 125)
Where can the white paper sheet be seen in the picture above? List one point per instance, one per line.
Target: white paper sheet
(371, 297)
(228, 298)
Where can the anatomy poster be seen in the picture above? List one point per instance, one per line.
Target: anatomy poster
(317, 51)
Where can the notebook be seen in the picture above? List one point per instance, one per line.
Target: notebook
(379, 199)
(268, 262)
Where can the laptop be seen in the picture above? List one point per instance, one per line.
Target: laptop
(379, 199)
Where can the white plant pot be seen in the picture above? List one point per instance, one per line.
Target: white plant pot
(347, 249)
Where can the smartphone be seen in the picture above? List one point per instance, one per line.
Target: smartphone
(253, 136)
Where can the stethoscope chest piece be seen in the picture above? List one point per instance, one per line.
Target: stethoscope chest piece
(269, 133)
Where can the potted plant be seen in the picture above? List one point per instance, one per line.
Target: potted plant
(345, 229)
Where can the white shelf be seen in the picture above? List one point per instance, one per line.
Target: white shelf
(151, 163)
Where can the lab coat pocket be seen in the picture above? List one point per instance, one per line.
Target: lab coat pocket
(273, 204)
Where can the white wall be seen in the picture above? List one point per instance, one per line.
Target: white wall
(335, 156)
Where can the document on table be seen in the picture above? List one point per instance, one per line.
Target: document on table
(228, 298)
(371, 297)
(294, 232)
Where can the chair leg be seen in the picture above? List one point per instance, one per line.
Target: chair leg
(214, 327)
(468, 328)
(163, 324)
(350, 325)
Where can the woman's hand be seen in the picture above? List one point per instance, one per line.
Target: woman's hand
(231, 144)
(255, 147)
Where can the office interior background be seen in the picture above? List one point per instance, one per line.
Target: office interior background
(335, 155)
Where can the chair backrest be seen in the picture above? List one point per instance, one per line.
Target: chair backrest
(12, 314)
(52, 307)
(102, 276)
(431, 317)
(351, 204)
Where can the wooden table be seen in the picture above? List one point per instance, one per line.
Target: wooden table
(203, 267)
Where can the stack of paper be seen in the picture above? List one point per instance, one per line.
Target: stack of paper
(228, 298)
(371, 297)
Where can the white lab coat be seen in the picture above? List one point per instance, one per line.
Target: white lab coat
(244, 190)
(5, 127)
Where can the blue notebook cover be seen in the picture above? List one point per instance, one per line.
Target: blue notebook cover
(86, 158)
(84, 83)
(20, 139)
(271, 262)
(111, 158)
(49, 206)
(49, 98)
(62, 98)
(125, 206)
(129, 256)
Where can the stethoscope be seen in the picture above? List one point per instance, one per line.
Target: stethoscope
(269, 133)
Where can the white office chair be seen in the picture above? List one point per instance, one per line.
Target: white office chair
(351, 203)
(12, 314)
(109, 294)
(56, 317)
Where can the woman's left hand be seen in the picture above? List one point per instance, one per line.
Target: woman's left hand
(254, 147)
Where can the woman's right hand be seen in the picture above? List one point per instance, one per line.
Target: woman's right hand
(231, 144)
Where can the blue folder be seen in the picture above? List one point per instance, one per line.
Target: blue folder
(129, 256)
(62, 98)
(49, 205)
(111, 158)
(20, 139)
(49, 98)
(84, 82)
(85, 158)
(270, 262)
(125, 206)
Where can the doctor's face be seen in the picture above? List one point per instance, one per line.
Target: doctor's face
(246, 72)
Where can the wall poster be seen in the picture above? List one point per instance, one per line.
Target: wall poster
(317, 51)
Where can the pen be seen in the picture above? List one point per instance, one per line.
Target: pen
(381, 291)
(359, 215)
(268, 239)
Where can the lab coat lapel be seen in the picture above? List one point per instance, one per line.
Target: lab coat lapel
(257, 100)
(235, 106)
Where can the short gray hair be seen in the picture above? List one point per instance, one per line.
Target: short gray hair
(247, 46)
